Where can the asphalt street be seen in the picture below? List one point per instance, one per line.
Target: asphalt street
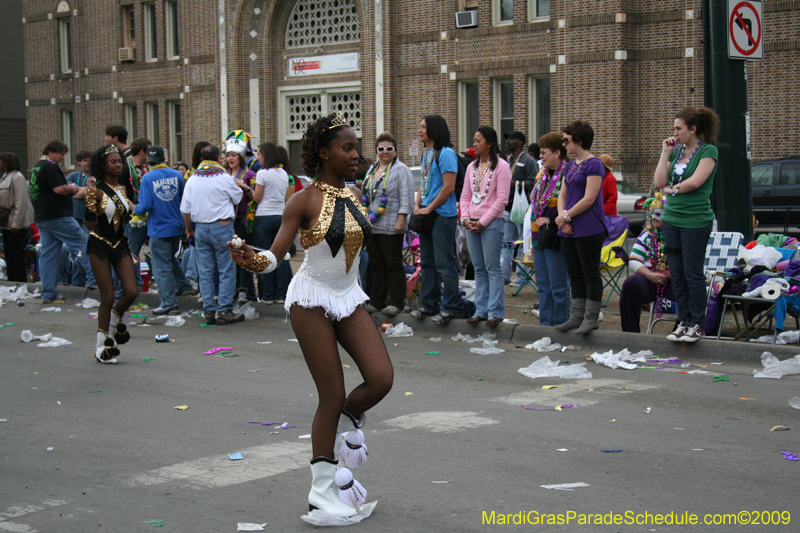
(90, 447)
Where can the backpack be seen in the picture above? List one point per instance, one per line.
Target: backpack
(462, 171)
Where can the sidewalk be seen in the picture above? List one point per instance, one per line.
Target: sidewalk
(519, 334)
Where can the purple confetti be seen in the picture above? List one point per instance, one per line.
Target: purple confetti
(673, 361)
(789, 456)
(262, 423)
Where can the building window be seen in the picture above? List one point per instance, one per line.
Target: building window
(67, 133)
(150, 43)
(538, 9)
(539, 107)
(66, 48)
(128, 27)
(503, 12)
(152, 122)
(172, 29)
(131, 121)
(175, 135)
(314, 23)
(299, 107)
(504, 107)
(467, 113)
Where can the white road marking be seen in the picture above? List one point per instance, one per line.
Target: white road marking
(219, 471)
(441, 421)
(575, 392)
(16, 528)
(15, 511)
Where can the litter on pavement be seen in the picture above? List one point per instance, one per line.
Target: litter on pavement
(235, 456)
(88, 303)
(721, 378)
(181, 407)
(546, 368)
(623, 359)
(775, 368)
(566, 486)
(489, 348)
(51, 310)
(215, 350)
(789, 456)
(54, 342)
(27, 336)
(795, 402)
(244, 526)
(543, 345)
(400, 330)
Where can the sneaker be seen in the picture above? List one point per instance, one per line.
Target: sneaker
(390, 310)
(267, 302)
(242, 298)
(679, 332)
(420, 313)
(167, 310)
(371, 309)
(280, 302)
(187, 292)
(229, 317)
(211, 318)
(694, 334)
(442, 318)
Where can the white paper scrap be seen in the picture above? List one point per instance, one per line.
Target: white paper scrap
(244, 526)
(565, 486)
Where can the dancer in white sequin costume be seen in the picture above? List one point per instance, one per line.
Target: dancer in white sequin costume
(325, 303)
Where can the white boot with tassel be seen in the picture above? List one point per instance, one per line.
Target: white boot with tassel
(105, 350)
(351, 449)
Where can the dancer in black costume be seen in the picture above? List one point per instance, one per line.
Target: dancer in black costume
(107, 211)
(326, 305)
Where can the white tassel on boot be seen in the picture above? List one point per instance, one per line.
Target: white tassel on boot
(119, 329)
(351, 491)
(353, 451)
(105, 351)
(348, 424)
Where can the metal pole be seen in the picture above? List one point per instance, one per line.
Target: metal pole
(726, 93)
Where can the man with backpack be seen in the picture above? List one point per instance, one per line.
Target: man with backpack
(435, 218)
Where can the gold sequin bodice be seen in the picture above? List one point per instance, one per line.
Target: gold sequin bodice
(102, 208)
(342, 222)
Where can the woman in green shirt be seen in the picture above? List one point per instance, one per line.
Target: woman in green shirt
(685, 172)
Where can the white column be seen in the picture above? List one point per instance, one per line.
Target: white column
(379, 118)
(223, 73)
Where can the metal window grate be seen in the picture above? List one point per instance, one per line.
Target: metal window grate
(314, 23)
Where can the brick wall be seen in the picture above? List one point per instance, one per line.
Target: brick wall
(630, 100)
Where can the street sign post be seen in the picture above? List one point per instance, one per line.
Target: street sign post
(745, 29)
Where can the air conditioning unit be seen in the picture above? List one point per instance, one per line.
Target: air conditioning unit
(125, 54)
(467, 19)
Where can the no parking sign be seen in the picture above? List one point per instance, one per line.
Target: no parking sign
(745, 29)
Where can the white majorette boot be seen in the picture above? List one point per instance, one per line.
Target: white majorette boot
(121, 334)
(324, 494)
(105, 351)
(351, 449)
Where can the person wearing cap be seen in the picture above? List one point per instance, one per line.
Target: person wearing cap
(523, 176)
(160, 194)
(609, 187)
(651, 280)
(470, 155)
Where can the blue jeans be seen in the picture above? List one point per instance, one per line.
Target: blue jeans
(551, 277)
(53, 234)
(189, 263)
(511, 232)
(438, 265)
(82, 274)
(245, 279)
(271, 286)
(484, 249)
(686, 251)
(211, 249)
(171, 278)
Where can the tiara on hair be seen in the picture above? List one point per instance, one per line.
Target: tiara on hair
(111, 150)
(339, 120)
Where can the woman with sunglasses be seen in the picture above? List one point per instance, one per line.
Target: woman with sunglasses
(388, 195)
(581, 224)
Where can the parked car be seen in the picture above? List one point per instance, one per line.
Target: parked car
(630, 203)
(776, 191)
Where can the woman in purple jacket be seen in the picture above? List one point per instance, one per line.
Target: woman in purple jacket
(581, 223)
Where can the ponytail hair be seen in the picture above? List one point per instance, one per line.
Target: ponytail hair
(704, 119)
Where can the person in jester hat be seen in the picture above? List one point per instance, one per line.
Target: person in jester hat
(651, 280)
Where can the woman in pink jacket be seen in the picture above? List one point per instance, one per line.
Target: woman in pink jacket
(483, 198)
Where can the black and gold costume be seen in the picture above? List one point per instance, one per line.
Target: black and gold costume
(108, 240)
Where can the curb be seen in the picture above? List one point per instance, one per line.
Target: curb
(597, 341)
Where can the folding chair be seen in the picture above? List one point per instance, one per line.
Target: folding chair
(611, 260)
(527, 262)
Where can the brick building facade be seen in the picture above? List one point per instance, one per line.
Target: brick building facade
(180, 72)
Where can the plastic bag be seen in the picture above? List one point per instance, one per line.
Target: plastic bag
(544, 345)
(795, 402)
(88, 303)
(623, 359)
(27, 336)
(520, 205)
(775, 368)
(51, 310)
(17, 293)
(760, 255)
(54, 342)
(247, 310)
(545, 368)
(527, 246)
(400, 330)
(175, 321)
(489, 348)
